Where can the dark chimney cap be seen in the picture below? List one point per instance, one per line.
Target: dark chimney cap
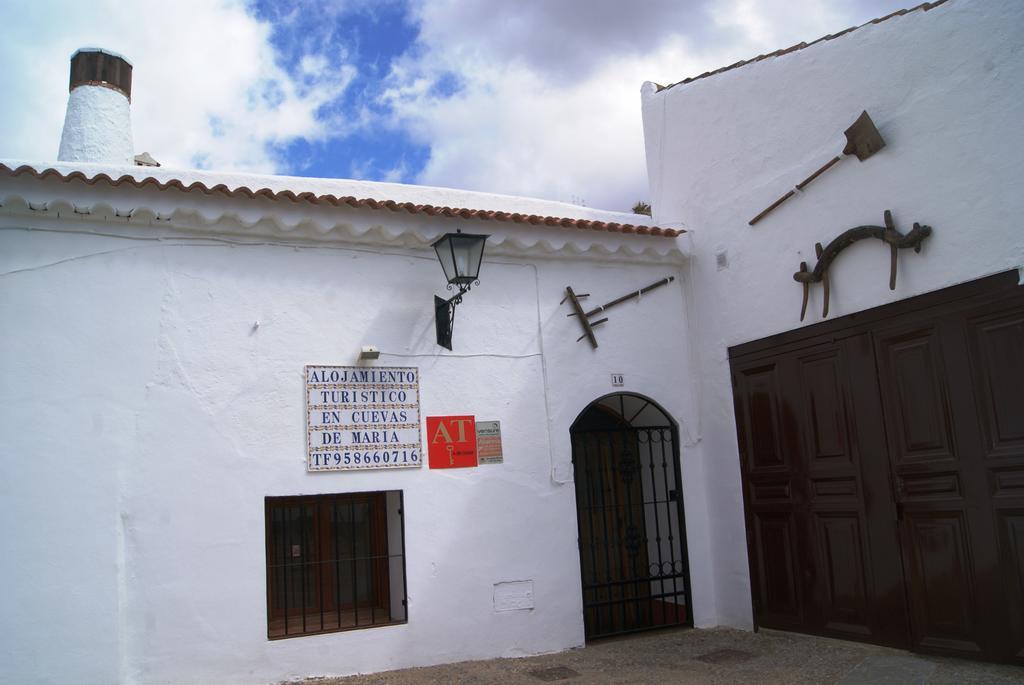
(96, 67)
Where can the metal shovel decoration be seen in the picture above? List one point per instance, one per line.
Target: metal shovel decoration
(862, 140)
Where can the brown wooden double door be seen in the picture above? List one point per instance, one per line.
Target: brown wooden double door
(883, 470)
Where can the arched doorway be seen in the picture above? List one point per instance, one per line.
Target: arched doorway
(629, 511)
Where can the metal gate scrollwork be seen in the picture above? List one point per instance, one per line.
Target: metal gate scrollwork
(632, 538)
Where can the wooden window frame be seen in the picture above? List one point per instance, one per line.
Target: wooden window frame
(308, 553)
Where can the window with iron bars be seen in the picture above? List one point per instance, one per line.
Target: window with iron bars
(334, 562)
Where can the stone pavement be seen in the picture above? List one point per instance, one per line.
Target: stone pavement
(716, 656)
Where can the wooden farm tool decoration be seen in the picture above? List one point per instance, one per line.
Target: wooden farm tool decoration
(887, 234)
(588, 325)
(862, 140)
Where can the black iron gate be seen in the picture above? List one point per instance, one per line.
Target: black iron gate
(629, 512)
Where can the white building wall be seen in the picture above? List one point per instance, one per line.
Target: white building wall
(944, 88)
(61, 445)
(146, 416)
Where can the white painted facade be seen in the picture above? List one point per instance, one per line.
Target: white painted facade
(943, 87)
(154, 395)
(154, 341)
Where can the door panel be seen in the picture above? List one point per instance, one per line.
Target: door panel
(824, 415)
(883, 473)
(610, 532)
(942, 596)
(812, 567)
(1011, 542)
(950, 546)
(929, 494)
(775, 510)
(998, 346)
(995, 337)
(840, 581)
(775, 535)
(841, 542)
(916, 398)
(763, 412)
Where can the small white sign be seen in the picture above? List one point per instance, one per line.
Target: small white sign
(362, 418)
(488, 442)
(618, 380)
(516, 595)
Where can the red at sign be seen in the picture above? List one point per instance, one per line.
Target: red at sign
(451, 441)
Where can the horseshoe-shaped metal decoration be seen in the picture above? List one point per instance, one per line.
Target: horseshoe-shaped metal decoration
(887, 234)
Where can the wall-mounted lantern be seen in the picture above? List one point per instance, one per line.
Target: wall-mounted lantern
(460, 255)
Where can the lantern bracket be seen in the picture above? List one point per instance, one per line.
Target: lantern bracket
(444, 313)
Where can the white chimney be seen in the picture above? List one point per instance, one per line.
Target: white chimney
(98, 125)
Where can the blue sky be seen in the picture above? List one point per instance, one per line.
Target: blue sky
(371, 36)
(533, 97)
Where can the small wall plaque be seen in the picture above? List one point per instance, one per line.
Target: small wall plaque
(516, 595)
(451, 441)
(488, 442)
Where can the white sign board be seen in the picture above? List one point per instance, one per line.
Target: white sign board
(488, 442)
(515, 595)
(362, 417)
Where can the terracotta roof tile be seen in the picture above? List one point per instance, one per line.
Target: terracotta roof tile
(347, 200)
(800, 46)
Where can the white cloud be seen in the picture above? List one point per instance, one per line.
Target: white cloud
(533, 97)
(766, 27)
(207, 88)
(396, 174)
(549, 102)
